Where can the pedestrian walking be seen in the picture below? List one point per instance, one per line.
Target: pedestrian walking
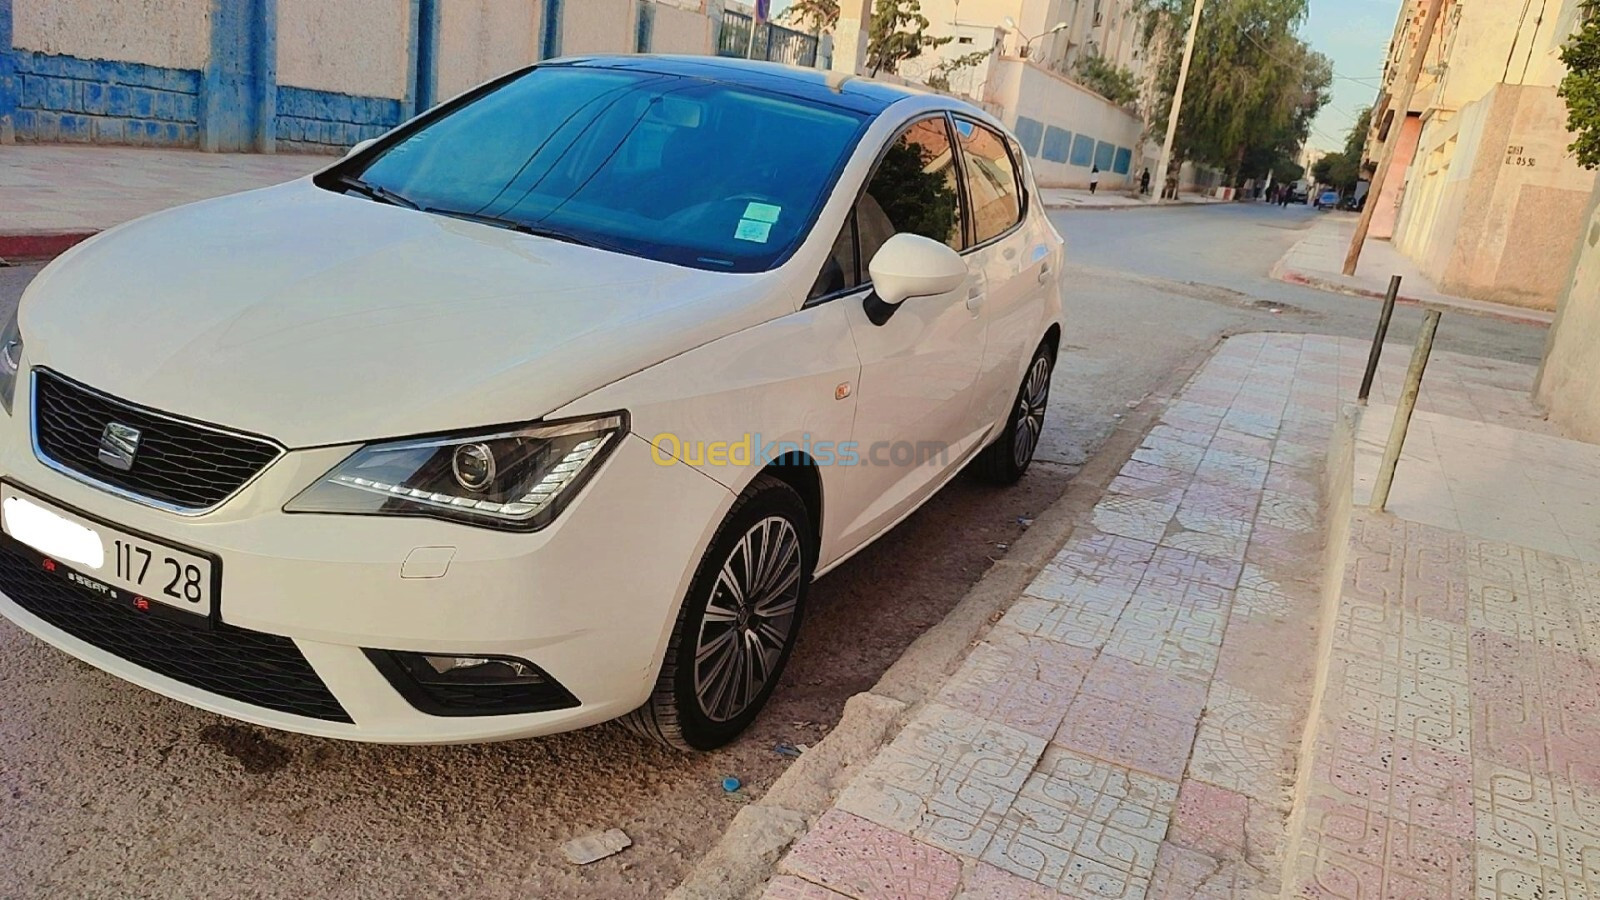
(1094, 180)
(1144, 183)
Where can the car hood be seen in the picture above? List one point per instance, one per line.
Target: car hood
(319, 318)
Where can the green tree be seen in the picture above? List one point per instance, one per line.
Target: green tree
(1254, 86)
(1343, 169)
(899, 31)
(1107, 79)
(818, 15)
(1581, 87)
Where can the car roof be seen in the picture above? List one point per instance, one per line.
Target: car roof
(862, 95)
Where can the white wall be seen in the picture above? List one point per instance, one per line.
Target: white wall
(350, 46)
(481, 39)
(171, 33)
(1023, 89)
(680, 31)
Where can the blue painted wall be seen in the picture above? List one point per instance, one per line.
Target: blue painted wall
(234, 103)
(63, 98)
(322, 120)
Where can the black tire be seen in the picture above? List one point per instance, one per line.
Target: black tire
(676, 713)
(1005, 461)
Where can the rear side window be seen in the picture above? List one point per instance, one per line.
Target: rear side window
(915, 188)
(992, 182)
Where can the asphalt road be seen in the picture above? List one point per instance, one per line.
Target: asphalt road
(107, 790)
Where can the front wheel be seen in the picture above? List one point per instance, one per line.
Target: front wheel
(1006, 460)
(738, 623)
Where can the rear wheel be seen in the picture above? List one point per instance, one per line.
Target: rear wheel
(1006, 460)
(738, 624)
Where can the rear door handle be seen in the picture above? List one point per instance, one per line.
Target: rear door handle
(1044, 273)
(975, 299)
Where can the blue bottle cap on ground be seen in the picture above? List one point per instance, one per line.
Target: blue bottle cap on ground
(730, 784)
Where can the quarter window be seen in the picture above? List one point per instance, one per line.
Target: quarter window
(992, 185)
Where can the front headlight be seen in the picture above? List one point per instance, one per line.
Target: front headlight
(10, 362)
(517, 478)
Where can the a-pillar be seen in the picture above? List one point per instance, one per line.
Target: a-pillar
(850, 37)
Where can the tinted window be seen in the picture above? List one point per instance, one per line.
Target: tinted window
(677, 169)
(914, 189)
(995, 200)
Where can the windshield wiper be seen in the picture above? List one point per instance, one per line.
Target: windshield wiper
(376, 192)
(519, 227)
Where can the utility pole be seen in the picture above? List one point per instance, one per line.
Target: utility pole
(1408, 90)
(1177, 102)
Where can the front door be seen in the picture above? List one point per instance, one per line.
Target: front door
(919, 370)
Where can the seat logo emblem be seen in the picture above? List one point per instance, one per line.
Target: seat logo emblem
(119, 444)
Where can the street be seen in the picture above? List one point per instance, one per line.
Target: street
(109, 790)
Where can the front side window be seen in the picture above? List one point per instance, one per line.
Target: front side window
(670, 168)
(995, 199)
(914, 189)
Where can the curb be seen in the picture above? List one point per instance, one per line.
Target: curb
(37, 246)
(742, 861)
(1485, 308)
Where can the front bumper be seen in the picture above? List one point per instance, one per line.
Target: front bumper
(590, 600)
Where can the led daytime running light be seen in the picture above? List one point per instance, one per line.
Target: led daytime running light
(530, 503)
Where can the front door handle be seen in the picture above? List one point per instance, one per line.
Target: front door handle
(1044, 273)
(975, 299)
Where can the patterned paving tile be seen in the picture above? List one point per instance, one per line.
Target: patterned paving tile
(1291, 512)
(1184, 874)
(1242, 444)
(1238, 710)
(947, 779)
(1171, 455)
(1545, 824)
(1085, 827)
(982, 881)
(1242, 763)
(1397, 777)
(1021, 681)
(1227, 825)
(1351, 851)
(1135, 737)
(1086, 621)
(1173, 569)
(1093, 560)
(859, 859)
(1181, 639)
(788, 887)
(1142, 687)
(1133, 517)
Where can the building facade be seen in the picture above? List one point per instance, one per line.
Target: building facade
(291, 74)
(1484, 192)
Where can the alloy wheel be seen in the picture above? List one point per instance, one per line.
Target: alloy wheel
(1031, 403)
(748, 620)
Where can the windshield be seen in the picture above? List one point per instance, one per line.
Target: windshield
(670, 168)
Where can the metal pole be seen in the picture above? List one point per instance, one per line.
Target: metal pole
(1402, 112)
(1165, 167)
(1402, 414)
(1378, 339)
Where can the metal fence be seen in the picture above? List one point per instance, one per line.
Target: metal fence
(773, 43)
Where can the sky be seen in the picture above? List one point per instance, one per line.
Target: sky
(1354, 34)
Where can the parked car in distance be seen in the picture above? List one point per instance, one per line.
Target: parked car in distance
(541, 410)
(1328, 200)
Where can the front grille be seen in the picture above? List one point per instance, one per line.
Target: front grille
(179, 463)
(260, 669)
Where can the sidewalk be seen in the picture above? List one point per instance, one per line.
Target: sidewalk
(1134, 725)
(1318, 261)
(53, 196)
(1072, 198)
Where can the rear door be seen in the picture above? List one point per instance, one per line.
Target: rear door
(1014, 262)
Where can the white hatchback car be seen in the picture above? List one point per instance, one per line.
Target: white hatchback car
(541, 410)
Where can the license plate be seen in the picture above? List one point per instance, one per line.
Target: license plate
(109, 561)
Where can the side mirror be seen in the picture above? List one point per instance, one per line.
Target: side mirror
(359, 146)
(907, 266)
